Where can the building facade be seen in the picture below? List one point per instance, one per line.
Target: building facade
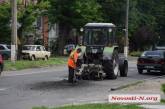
(45, 34)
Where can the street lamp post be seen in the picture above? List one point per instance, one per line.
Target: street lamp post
(14, 31)
(126, 30)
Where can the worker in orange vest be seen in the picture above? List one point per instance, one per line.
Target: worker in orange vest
(72, 63)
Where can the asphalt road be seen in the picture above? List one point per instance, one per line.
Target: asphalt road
(48, 87)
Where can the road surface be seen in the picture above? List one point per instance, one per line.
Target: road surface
(48, 87)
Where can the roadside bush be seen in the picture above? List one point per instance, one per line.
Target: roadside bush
(163, 88)
(135, 53)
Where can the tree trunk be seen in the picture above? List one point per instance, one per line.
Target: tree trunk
(19, 44)
(64, 32)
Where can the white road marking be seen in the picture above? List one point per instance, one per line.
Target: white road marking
(132, 69)
(132, 62)
(29, 73)
(3, 89)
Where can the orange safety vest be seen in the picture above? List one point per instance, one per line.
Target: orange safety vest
(73, 59)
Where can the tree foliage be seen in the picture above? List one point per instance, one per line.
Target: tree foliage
(27, 15)
(5, 22)
(144, 22)
(146, 18)
(71, 14)
(74, 12)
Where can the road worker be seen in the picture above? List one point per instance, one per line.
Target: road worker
(72, 63)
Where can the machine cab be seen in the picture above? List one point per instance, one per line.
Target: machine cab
(102, 34)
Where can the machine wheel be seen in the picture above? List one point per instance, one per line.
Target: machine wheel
(140, 71)
(124, 70)
(5, 56)
(114, 66)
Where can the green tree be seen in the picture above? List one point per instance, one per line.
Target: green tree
(142, 24)
(145, 19)
(158, 11)
(113, 11)
(27, 15)
(5, 15)
(71, 14)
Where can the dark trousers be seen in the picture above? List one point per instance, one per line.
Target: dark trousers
(71, 74)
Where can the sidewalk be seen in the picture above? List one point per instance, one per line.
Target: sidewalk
(153, 106)
(147, 87)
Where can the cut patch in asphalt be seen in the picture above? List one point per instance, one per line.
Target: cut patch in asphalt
(60, 84)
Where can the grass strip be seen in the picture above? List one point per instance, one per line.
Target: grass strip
(95, 106)
(163, 88)
(162, 101)
(24, 64)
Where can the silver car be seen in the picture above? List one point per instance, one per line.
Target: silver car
(5, 51)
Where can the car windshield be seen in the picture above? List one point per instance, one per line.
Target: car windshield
(96, 36)
(8, 46)
(32, 48)
(152, 54)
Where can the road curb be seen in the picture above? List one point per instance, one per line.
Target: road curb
(134, 83)
(126, 86)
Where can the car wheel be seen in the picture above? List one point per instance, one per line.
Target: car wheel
(148, 71)
(5, 57)
(32, 57)
(140, 71)
(1, 69)
(46, 58)
(163, 71)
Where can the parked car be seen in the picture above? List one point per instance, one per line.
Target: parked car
(151, 61)
(5, 51)
(1, 64)
(33, 52)
(68, 48)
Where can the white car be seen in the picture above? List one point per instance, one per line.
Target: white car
(33, 52)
